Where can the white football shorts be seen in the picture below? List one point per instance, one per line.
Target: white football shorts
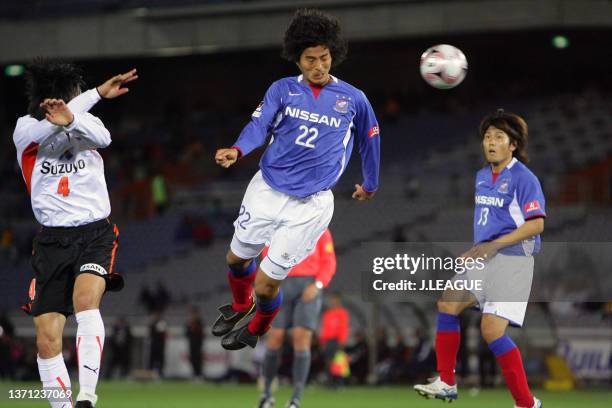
(290, 224)
(506, 286)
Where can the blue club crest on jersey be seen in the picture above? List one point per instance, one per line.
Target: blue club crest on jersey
(342, 104)
(503, 187)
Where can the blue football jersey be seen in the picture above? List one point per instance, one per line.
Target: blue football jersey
(312, 138)
(503, 206)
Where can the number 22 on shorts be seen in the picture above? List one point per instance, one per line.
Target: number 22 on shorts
(243, 217)
(62, 187)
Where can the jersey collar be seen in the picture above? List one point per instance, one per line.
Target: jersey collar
(508, 166)
(301, 78)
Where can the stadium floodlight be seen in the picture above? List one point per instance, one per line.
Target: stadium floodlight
(14, 70)
(560, 41)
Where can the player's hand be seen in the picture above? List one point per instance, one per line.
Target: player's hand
(226, 157)
(485, 251)
(58, 112)
(114, 86)
(310, 293)
(361, 195)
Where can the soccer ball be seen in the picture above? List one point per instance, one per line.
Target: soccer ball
(443, 66)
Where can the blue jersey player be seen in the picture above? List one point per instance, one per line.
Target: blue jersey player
(508, 218)
(312, 121)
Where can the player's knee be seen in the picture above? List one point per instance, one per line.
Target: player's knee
(48, 344)
(230, 258)
(235, 261)
(84, 300)
(301, 341)
(265, 290)
(275, 340)
(449, 307)
(490, 332)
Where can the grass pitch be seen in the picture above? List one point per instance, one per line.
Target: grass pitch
(183, 394)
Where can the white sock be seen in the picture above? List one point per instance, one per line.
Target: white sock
(90, 342)
(54, 376)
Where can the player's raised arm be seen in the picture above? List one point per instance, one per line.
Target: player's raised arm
(30, 130)
(115, 86)
(90, 128)
(85, 124)
(111, 88)
(368, 137)
(84, 101)
(37, 128)
(256, 131)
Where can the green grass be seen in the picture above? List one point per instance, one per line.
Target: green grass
(183, 394)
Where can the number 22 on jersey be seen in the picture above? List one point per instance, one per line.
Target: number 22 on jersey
(306, 131)
(62, 187)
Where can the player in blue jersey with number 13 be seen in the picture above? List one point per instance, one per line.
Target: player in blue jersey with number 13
(312, 120)
(508, 220)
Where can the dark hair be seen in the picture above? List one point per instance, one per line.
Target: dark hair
(51, 79)
(311, 28)
(514, 126)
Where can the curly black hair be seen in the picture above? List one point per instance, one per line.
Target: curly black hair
(311, 28)
(47, 78)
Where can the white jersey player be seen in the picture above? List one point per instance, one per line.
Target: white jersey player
(74, 252)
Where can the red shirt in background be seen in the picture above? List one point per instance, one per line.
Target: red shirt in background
(335, 326)
(321, 263)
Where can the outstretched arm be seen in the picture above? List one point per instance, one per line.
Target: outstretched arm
(256, 131)
(37, 131)
(110, 89)
(115, 86)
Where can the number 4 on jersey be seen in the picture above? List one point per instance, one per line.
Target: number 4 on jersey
(62, 187)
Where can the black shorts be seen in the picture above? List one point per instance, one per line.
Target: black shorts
(60, 254)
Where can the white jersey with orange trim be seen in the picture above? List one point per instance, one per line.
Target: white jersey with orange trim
(63, 171)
